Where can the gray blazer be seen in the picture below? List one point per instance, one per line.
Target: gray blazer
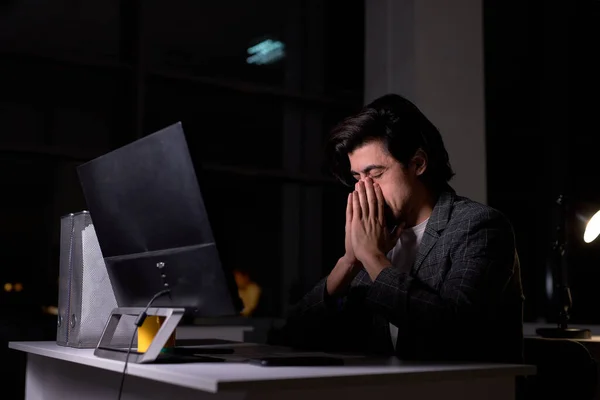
(462, 299)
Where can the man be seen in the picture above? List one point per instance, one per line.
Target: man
(426, 274)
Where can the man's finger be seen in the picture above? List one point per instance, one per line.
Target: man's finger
(363, 201)
(371, 197)
(356, 210)
(380, 202)
(349, 210)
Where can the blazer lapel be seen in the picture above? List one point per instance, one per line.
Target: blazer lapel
(437, 222)
(430, 237)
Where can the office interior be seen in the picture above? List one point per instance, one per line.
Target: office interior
(257, 86)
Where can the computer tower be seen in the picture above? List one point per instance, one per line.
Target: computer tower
(85, 296)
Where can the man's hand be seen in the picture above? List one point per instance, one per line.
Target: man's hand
(341, 276)
(348, 266)
(349, 256)
(370, 238)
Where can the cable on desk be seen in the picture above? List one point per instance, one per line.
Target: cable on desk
(139, 321)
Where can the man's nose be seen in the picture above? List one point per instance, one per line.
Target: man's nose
(361, 178)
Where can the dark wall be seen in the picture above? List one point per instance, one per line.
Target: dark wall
(542, 136)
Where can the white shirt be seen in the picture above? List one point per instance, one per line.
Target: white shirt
(403, 257)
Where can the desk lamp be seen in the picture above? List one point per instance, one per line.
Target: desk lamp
(562, 292)
(592, 228)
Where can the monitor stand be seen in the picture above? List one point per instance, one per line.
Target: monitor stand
(172, 318)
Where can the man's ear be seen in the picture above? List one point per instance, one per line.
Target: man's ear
(419, 161)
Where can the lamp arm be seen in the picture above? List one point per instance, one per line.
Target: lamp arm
(562, 292)
(560, 265)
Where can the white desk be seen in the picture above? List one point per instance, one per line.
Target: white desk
(55, 372)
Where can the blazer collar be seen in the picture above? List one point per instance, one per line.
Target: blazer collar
(437, 223)
(441, 211)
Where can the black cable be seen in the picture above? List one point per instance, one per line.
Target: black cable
(139, 321)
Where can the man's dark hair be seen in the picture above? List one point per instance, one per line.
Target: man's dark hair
(403, 129)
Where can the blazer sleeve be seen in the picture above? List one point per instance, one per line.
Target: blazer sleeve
(481, 260)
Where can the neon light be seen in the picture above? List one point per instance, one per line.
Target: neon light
(266, 52)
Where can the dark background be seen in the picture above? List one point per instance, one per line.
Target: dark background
(79, 78)
(542, 136)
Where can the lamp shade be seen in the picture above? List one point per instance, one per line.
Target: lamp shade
(592, 228)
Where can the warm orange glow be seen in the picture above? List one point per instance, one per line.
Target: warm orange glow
(248, 290)
(52, 310)
(8, 287)
(18, 287)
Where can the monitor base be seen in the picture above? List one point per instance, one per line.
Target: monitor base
(172, 318)
(564, 333)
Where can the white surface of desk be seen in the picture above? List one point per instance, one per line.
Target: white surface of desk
(239, 380)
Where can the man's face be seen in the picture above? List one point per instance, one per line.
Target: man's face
(397, 182)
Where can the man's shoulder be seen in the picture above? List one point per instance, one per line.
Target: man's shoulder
(477, 229)
(464, 210)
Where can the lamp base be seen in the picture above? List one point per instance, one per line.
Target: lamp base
(564, 333)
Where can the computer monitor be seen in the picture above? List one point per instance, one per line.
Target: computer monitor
(153, 229)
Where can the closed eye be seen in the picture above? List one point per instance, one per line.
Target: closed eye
(373, 171)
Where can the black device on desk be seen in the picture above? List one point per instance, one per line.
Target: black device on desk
(297, 361)
(153, 228)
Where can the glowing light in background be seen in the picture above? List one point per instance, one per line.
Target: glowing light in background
(9, 287)
(248, 290)
(266, 52)
(592, 229)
